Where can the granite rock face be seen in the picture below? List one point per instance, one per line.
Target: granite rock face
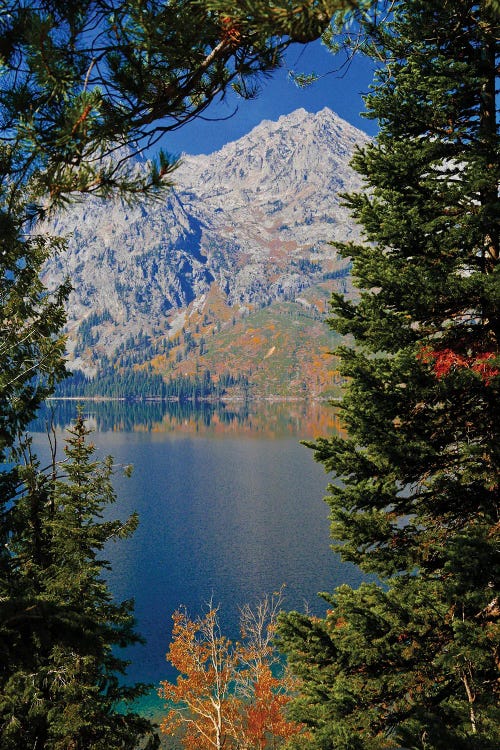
(250, 223)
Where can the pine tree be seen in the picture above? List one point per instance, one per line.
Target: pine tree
(413, 661)
(61, 686)
(31, 344)
(85, 85)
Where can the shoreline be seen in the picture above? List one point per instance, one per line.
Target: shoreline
(207, 400)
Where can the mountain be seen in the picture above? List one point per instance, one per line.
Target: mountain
(231, 272)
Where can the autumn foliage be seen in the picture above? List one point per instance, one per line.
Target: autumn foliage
(265, 716)
(231, 33)
(228, 694)
(445, 360)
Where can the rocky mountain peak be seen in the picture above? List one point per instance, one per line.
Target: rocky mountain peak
(248, 225)
(277, 156)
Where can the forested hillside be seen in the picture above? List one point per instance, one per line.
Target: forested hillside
(412, 659)
(84, 84)
(409, 659)
(234, 269)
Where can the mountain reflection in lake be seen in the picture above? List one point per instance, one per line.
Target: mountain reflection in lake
(228, 515)
(273, 419)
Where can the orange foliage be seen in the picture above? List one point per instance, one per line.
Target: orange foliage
(205, 708)
(159, 362)
(231, 34)
(228, 695)
(265, 718)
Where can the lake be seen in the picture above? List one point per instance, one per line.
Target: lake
(230, 508)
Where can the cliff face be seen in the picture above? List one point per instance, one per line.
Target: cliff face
(245, 229)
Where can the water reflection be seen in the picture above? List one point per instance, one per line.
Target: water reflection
(269, 419)
(230, 506)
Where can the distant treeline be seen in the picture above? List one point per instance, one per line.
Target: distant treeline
(145, 384)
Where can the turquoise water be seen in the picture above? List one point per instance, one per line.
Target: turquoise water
(227, 517)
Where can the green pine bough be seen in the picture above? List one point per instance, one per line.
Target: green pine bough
(85, 84)
(412, 661)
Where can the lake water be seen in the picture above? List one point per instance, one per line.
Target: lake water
(230, 508)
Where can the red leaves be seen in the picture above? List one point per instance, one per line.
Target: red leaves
(231, 34)
(446, 360)
(481, 366)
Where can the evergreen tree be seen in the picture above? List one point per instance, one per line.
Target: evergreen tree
(86, 84)
(413, 661)
(61, 671)
(31, 345)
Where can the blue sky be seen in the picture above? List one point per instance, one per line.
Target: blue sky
(279, 96)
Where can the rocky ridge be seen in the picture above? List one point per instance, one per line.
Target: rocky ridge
(245, 228)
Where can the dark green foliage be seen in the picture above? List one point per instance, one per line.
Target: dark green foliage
(86, 337)
(60, 630)
(145, 384)
(31, 346)
(415, 664)
(84, 85)
(81, 78)
(31, 355)
(88, 76)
